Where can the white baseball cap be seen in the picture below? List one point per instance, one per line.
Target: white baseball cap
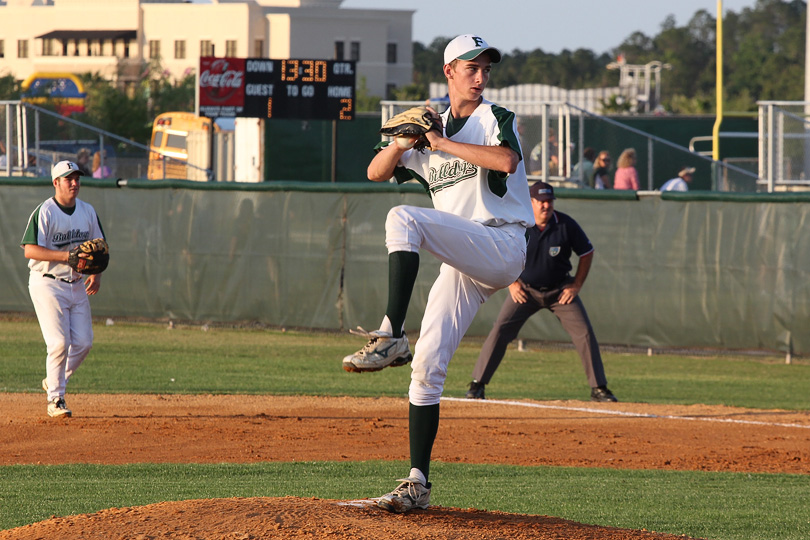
(64, 168)
(468, 47)
(686, 170)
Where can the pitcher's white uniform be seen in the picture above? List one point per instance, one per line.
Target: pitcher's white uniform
(58, 292)
(476, 228)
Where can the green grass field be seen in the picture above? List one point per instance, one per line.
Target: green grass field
(150, 358)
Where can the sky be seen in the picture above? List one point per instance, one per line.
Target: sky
(550, 25)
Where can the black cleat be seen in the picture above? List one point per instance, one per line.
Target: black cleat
(601, 393)
(476, 390)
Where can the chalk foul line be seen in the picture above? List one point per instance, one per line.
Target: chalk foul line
(624, 413)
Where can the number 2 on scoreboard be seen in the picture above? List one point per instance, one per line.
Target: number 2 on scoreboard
(346, 109)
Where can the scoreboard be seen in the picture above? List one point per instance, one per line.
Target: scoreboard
(267, 88)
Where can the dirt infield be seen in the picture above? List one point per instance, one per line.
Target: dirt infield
(243, 429)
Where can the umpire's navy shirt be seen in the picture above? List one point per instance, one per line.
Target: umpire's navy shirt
(548, 252)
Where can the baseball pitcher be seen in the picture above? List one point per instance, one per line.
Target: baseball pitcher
(469, 161)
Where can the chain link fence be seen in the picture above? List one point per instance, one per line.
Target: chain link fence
(32, 139)
(554, 136)
(784, 145)
(35, 138)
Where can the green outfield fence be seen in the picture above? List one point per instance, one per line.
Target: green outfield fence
(726, 271)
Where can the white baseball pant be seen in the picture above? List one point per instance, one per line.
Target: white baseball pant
(477, 261)
(63, 311)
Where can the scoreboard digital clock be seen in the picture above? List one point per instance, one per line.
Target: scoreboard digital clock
(267, 88)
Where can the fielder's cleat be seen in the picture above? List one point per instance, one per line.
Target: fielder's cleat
(57, 407)
(476, 390)
(410, 494)
(382, 350)
(601, 393)
(45, 384)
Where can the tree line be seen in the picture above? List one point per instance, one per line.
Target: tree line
(763, 59)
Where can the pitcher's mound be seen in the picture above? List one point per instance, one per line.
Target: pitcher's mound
(292, 518)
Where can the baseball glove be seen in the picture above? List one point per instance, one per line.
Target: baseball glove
(412, 124)
(96, 260)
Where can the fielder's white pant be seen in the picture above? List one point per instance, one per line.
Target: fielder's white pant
(63, 311)
(477, 261)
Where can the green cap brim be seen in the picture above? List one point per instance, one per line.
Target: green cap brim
(494, 54)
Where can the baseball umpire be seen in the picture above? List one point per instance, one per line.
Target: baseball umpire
(471, 167)
(547, 284)
(61, 241)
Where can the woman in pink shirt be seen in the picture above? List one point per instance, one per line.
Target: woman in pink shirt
(626, 176)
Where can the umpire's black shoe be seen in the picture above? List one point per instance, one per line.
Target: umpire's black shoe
(601, 393)
(476, 390)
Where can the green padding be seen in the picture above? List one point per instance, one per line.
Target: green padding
(598, 194)
(24, 181)
(279, 185)
(45, 181)
(410, 187)
(721, 196)
(726, 272)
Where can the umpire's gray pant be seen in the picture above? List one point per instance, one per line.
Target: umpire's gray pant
(513, 316)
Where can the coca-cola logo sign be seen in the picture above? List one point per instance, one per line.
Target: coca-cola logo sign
(222, 81)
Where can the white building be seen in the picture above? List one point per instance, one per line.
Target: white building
(117, 38)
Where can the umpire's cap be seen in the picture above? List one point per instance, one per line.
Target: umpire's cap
(542, 191)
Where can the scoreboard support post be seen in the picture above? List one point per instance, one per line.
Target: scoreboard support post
(334, 150)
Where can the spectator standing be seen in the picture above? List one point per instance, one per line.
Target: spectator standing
(83, 160)
(680, 182)
(552, 155)
(587, 167)
(3, 158)
(98, 170)
(626, 176)
(34, 169)
(601, 173)
(546, 283)
(525, 145)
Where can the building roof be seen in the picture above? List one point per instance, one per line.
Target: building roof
(90, 34)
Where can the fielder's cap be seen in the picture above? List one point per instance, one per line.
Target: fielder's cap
(469, 47)
(542, 191)
(64, 168)
(686, 170)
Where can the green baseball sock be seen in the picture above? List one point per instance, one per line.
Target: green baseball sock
(423, 424)
(402, 269)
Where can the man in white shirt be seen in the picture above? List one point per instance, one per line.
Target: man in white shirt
(680, 182)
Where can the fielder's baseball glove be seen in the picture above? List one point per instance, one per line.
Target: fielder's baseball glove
(97, 259)
(414, 122)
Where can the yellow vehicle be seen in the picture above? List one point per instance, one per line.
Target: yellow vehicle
(180, 139)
